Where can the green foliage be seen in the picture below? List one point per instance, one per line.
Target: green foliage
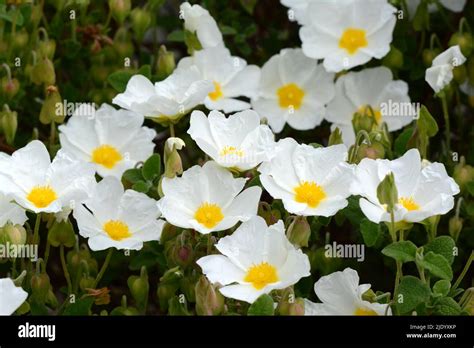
(262, 306)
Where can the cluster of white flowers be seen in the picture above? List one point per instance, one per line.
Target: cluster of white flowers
(292, 87)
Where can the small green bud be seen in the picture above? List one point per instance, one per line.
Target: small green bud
(463, 173)
(9, 87)
(335, 138)
(270, 215)
(165, 63)
(172, 160)
(14, 234)
(47, 48)
(9, 124)
(62, 233)
(86, 282)
(455, 227)
(209, 301)
(141, 20)
(387, 192)
(428, 55)
(394, 58)
(120, 9)
(464, 41)
(374, 151)
(139, 288)
(43, 73)
(20, 40)
(40, 286)
(299, 231)
(364, 121)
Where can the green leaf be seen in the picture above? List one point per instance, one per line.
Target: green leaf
(447, 306)
(411, 292)
(470, 188)
(426, 123)
(262, 306)
(443, 245)
(437, 265)
(176, 36)
(403, 251)
(227, 30)
(141, 186)
(401, 142)
(80, 307)
(133, 175)
(370, 232)
(248, 5)
(177, 306)
(145, 70)
(442, 287)
(8, 15)
(152, 167)
(119, 79)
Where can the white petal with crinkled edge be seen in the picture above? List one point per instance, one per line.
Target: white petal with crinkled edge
(11, 297)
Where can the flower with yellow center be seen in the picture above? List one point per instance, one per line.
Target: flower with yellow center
(231, 76)
(112, 140)
(208, 199)
(341, 294)
(388, 100)
(256, 259)
(346, 33)
(238, 142)
(30, 179)
(115, 218)
(293, 89)
(423, 191)
(310, 181)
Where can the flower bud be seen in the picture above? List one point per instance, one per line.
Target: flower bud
(209, 301)
(52, 109)
(120, 9)
(9, 124)
(363, 121)
(9, 87)
(374, 151)
(20, 40)
(40, 286)
(139, 288)
(428, 55)
(387, 192)
(299, 231)
(165, 63)
(464, 41)
(270, 215)
(43, 73)
(455, 227)
(172, 160)
(169, 232)
(394, 58)
(86, 282)
(13, 234)
(46, 48)
(336, 137)
(168, 285)
(51, 299)
(460, 74)
(62, 233)
(463, 173)
(141, 20)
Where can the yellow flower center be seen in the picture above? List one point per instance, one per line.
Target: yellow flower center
(261, 275)
(364, 312)
(290, 95)
(364, 110)
(217, 93)
(106, 155)
(42, 196)
(231, 150)
(408, 203)
(117, 230)
(209, 215)
(352, 39)
(310, 193)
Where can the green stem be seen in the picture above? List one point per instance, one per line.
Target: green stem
(65, 270)
(393, 233)
(447, 130)
(52, 135)
(464, 271)
(46, 253)
(36, 230)
(104, 268)
(209, 243)
(172, 130)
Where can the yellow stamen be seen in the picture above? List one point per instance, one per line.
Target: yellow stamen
(261, 275)
(231, 150)
(106, 155)
(364, 110)
(290, 95)
(310, 193)
(42, 196)
(209, 215)
(353, 39)
(408, 203)
(117, 230)
(365, 312)
(217, 93)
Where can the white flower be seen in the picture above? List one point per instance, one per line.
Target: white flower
(113, 140)
(39, 185)
(231, 76)
(452, 5)
(347, 33)
(341, 294)
(422, 191)
(310, 181)
(238, 141)
(10, 211)
(207, 199)
(299, 9)
(11, 297)
(255, 260)
(373, 87)
(119, 219)
(199, 21)
(293, 89)
(167, 100)
(440, 74)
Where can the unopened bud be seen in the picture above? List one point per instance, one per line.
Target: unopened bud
(299, 231)
(363, 121)
(463, 173)
(141, 20)
(120, 9)
(173, 163)
(139, 288)
(336, 137)
(62, 233)
(166, 62)
(9, 87)
(43, 73)
(9, 124)
(40, 285)
(373, 151)
(387, 192)
(209, 301)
